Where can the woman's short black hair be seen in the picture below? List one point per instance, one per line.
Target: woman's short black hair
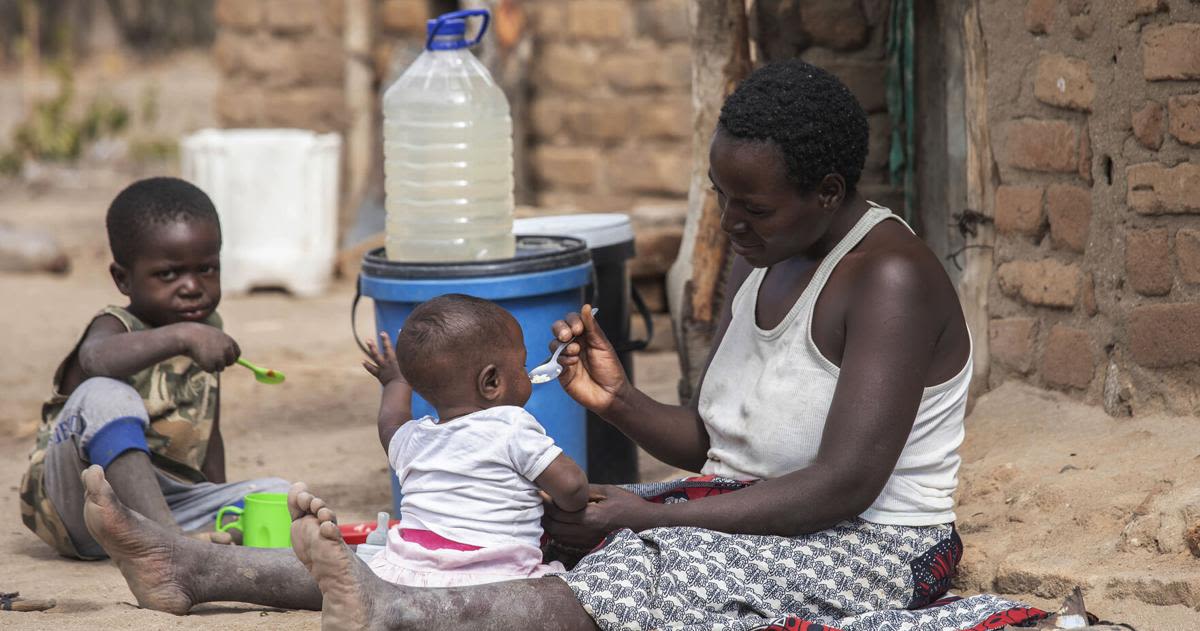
(149, 203)
(808, 113)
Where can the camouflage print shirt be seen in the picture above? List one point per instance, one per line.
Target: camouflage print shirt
(181, 400)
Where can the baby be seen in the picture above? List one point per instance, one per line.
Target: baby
(471, 509)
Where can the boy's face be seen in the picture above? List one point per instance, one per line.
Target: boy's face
(176, 275)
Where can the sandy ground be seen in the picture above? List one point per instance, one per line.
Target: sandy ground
(1054, 494)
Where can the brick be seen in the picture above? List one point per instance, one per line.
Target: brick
(1148, 262)
(1040, 145)
(333, 13)
(1155, 189)
(1064, 82)
(664, 117)
(404, 16)
(1148, 7)
(1045, 283)
(1148, 125)
(600, 119)
(291, 16)
(239, 105)
(321, 109)
(1082, 27)
(1011, 342)
(1069, 209)
(664, 20)
(569, 68)
(243, 15)
(879, 142)
(575, 168)
(1039, 16)
(1184, 114)
(547, 18)
(1085, 154)
(866, 80)
(1187, 253)
(657, 249)
(650, 171)
(321, 61)
(548, 116)
(1069, 359)
(1165, 335)
(599, 19)
(1170, 51)
(229, 50)
(676, 69)
(631, 71)
(1077, 7)
(1087, 296)
(1019, 210)
(835, 24)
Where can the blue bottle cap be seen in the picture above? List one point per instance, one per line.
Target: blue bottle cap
(449, 35)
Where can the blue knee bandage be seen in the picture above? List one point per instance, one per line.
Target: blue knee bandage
(115, 438)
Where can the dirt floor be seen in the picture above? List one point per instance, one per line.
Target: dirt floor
(1053, 494)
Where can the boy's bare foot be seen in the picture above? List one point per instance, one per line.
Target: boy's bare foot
(349, 588)
(142, 549)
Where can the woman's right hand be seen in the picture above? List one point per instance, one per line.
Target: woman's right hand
(592, 374)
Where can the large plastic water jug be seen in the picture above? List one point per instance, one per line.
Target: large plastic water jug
(276, 192)
(447, 147)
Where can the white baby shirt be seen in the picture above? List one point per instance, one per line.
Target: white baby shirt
(470, 479)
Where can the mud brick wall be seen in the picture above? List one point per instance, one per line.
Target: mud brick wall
(1094, 113)
(610, 102)
(282, 64)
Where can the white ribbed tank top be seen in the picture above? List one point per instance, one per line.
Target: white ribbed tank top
(767, 393)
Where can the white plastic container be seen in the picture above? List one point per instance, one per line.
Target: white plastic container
(447, 146)
(276, 192)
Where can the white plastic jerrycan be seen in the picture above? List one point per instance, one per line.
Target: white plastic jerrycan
(447, 146)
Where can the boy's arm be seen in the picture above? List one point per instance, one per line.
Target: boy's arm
(214, 460)
(108, 350)
(565, 483)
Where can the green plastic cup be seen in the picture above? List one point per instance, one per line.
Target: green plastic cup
(265, 521)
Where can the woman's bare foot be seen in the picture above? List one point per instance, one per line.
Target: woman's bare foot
(142, 549)
(353, 597)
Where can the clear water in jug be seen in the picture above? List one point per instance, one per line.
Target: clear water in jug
(447, 145)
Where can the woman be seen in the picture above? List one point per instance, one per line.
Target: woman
(838, 381)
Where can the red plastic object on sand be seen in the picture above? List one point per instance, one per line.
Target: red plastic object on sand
(354, 534)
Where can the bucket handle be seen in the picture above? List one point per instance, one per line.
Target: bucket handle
(353, 313)
(644, 311)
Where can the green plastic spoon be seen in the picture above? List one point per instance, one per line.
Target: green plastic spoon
(263, 375)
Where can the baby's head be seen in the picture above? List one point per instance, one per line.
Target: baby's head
(459, 350)
(166, 245)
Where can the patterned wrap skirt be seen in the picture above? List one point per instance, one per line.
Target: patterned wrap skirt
(857, 575)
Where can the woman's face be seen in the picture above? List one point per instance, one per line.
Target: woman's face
(767, 218)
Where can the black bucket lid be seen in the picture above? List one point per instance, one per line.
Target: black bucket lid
(534, 254)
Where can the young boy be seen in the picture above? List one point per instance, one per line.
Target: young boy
(139, 393)
(472, 477)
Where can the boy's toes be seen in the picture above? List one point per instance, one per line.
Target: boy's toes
(293, 500)
(330, 531)
(326, 514)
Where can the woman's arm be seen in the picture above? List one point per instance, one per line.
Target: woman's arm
(892, 326)
(592, 375)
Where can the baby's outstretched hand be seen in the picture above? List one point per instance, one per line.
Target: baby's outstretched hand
(383, 364)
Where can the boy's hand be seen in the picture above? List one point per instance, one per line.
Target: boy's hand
(383, 363)
(211, 348)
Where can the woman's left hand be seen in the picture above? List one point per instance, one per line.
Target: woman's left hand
(609, 508)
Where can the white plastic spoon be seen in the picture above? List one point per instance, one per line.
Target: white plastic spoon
(550, 370)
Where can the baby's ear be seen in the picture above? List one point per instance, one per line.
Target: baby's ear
(120, 276)
(489, 382)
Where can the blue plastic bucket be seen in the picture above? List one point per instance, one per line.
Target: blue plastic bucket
(542, 283)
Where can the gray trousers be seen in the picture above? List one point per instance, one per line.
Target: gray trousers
(95, 403)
